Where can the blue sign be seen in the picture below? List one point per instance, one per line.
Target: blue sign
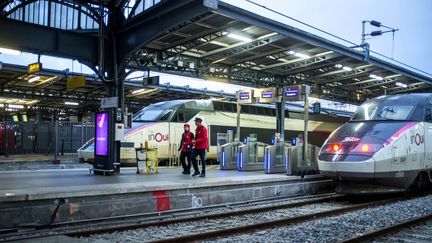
(291, 92)
(101, 140)
(244, 95)
(293, 141)
(267, 94)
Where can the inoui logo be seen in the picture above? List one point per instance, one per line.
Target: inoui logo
(158, 137)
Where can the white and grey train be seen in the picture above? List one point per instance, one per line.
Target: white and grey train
(161, 125)
(385, 147)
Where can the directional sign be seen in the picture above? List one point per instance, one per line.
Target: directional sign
(34, 67)
(76, 82)
(245, 96)
(110, 102)
(267, 95)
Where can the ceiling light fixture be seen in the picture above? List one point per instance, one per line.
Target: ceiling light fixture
(138, 91)
(71, 103)
(9, 51)
(239, 37)
(34, 79)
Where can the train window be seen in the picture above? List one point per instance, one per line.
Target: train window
(428, 115)
(245, 109)
(180, 117)
(365, 112)
(394, 112)
(228, 107)
(253, 110)
(218, 106)
(166, 115)
(260, 110)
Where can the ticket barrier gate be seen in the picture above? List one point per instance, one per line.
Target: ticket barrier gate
(251, 155)
(228, 155)
(276, 158)
(295, 164)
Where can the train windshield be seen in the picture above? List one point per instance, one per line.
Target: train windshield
(376, 112)
(155, 112)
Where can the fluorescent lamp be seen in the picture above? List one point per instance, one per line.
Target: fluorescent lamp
(220, 60)
(34, 79)
(71, 103)
(219, 43)
(301, 55)
(10, 51)
(138, 91)
(339, 66)
(401, 84)
(291, 52)
(375, 77)
(239, 37)
(16, 106)
(347, 68)
(1, 105)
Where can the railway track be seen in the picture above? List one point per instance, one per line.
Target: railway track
(414, 230)
(120, 223)
(210, 235)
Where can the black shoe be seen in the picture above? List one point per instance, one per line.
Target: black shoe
(186, 173)
(202, 175)
(196, 173)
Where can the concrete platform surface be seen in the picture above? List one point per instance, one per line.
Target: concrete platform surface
(58, 196)
(38, 162)
(44, 184)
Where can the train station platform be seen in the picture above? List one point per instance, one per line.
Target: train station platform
(31, 197)
(39, 162)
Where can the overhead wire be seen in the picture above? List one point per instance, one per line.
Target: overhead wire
(333, 35)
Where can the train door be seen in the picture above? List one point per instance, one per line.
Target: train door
(428, 138)
(400, 152)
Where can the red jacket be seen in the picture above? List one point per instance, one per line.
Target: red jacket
(201, 138)
(186, 141)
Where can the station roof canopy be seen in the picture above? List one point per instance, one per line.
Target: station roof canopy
(213, 40)
(229, 43)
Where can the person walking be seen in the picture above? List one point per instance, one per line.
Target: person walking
(186, 149)
(200, 145)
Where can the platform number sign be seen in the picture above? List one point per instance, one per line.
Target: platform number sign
(267, 95)
(316, 107)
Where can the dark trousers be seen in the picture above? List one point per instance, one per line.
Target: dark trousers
(201, 153)
(186, 166)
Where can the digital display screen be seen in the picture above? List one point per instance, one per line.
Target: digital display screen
(24, 118)
(15, 118)
(267, 94)
(101, 142)
(291, 92)
(244, 95)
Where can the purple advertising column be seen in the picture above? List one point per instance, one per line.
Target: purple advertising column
(101, 142)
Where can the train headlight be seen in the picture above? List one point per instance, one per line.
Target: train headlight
(365, 148)
(335, 147)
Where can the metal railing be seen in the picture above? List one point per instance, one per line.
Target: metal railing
(57, 138)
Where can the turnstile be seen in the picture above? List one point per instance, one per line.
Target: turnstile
(296, 165)
(228, 155)
(276, 158)
(251, 155)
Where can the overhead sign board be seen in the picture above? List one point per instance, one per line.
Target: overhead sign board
(110, 102)
(76, 82)
(245, 96)
(267, 95)
(34, 67)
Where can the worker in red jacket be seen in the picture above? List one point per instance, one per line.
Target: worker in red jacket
(200, 146)
(186, 149)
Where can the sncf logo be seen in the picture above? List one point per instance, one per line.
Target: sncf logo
(158, 137)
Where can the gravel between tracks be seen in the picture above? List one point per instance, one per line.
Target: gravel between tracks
(174, 230)
(341, 227)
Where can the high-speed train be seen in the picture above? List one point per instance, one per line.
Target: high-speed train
(385, 147)
(161, 125)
